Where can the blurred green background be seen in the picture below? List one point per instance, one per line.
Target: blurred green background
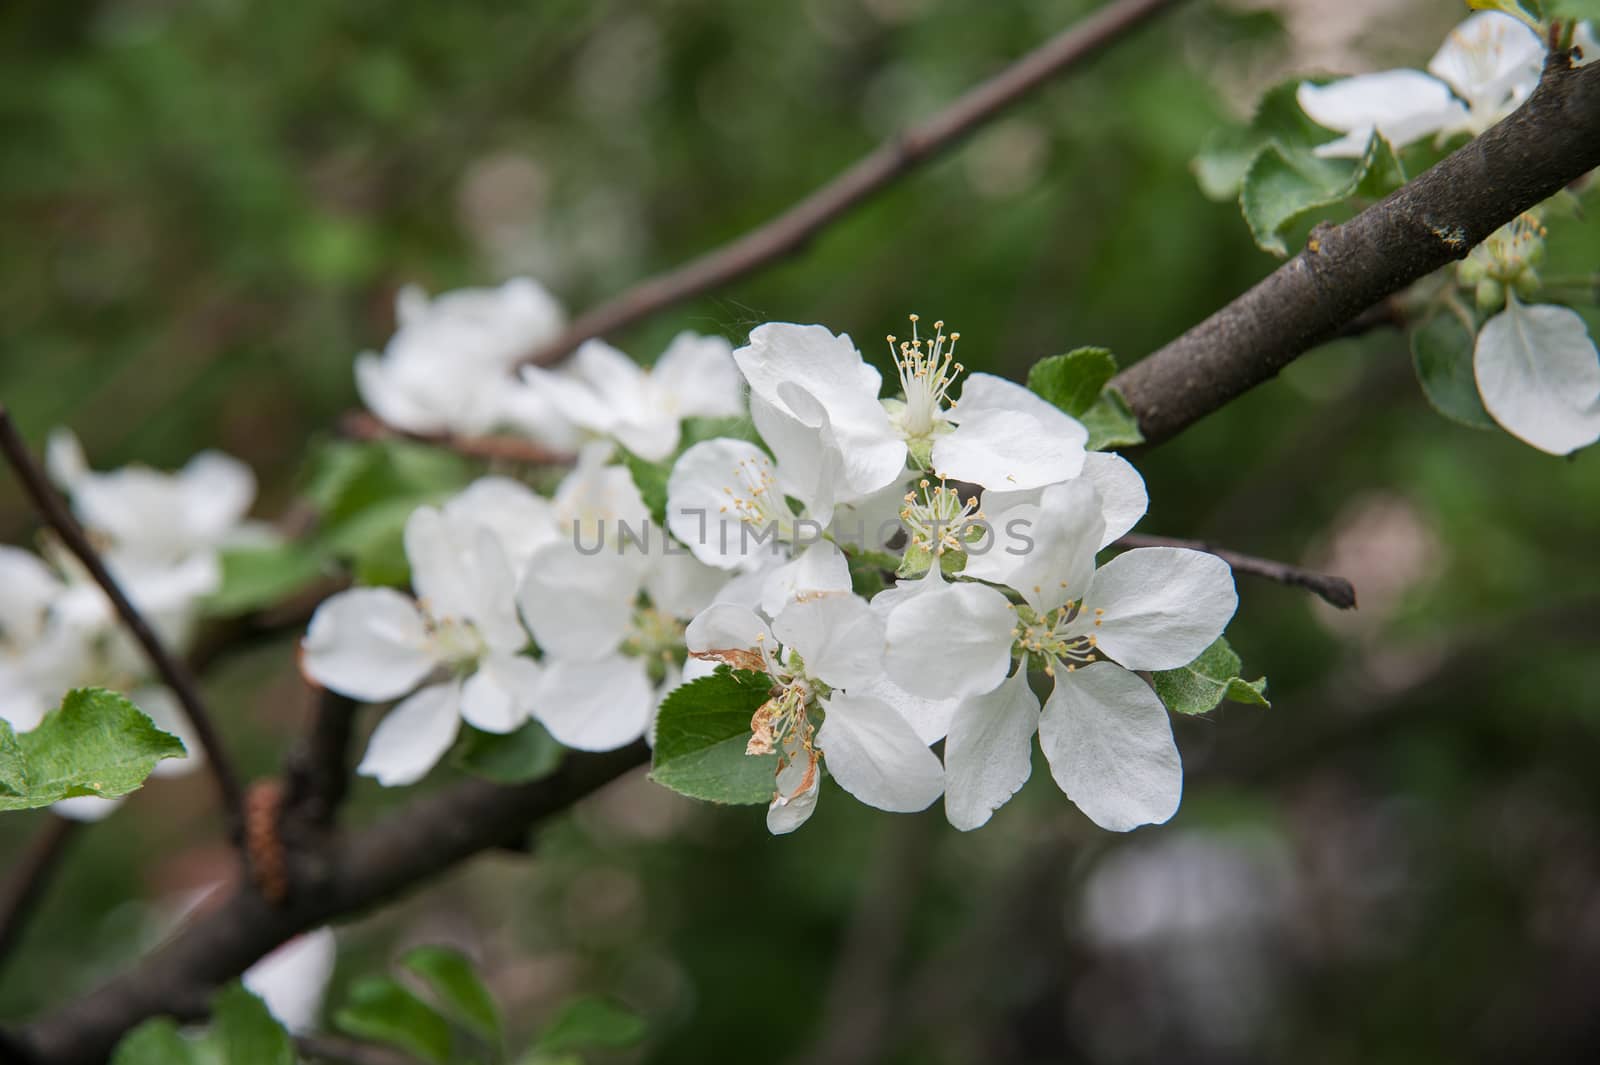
(210, 205)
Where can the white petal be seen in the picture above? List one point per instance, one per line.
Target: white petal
(949, 640)
(821, 567)
(838, 636)
(29, 589)
(989, 751)
(788, 812)
(292, 980)
(578, 605)
(1539, 375)
(1008, 438)
(876, 755)
(460, 570)
(929, 717)
(1489, 55)
(1109, 744)
(64, 458)
(1163, 606)
(597, 705)
(785, 362)
(599, 497)
(1047, 551)
(413, 736)
(1123, 498)
(698, 374)
(700, 512)
(498, 696)
(216, 491)
(86, 808)
(519, 518)
(385, 392)
(1403, 105)
(727, 627)
(871, 521)
(368, 643)
(678, 583)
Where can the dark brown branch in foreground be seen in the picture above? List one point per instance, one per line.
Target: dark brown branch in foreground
(28, 878)
(318, 768)
(1330, 589)
(359, 425)
(169, 667)
(1550, 141)
(870, 175)
(412, 845)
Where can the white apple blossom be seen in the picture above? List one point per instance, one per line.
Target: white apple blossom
(292, 981)
(602, 390)
(815, 401)
(150, 519)
(823, 651)
(449, 367)
(1539, 374)
(1488, 65)
(376, 644)
(1104, 732)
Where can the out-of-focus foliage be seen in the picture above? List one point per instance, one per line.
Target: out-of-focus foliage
(210, 206)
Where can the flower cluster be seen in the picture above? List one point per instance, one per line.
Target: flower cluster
(160, 535)
(578, 612)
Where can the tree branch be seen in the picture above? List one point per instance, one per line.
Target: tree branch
(170, 668)
(1330, 589)
(31, 875)
(359, 425)
(1550, 141)
(412, 845)
(873, 173)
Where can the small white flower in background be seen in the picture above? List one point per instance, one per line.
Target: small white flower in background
(823, 649)
(450, 366)
(149, 518)
(1104, 731)
(1539, 375)
(602, 390)
(1488, 65)
(292, 980)
(376, 644)
(815, 401)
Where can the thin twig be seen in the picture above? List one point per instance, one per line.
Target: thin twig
(171, 669)
(1330, 589)
(359, 425)
(868, 176)
(318, 769)
(31, 875)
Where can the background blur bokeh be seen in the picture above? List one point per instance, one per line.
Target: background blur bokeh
(209, 206)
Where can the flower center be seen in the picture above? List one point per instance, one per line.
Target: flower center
(927, 370)
(941, 521)
(754, 499)
(1046, 636)
(456, 642)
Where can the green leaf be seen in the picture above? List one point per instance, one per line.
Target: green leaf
(591, 1022)
(1073, 381)
(451, 977)
(701, 735)
(245, 1033)
(155, 1042)
(254, 577)
(1226, 154)
(1441, 353)
(381, 1010)
(1111, 423)
(517, 757)
(1287, 183)
(1205, 682)
(95, 743)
